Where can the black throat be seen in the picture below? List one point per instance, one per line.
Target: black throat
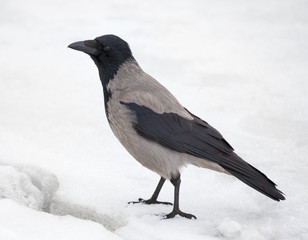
(107, 72)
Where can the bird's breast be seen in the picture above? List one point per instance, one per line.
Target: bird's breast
(150, 154)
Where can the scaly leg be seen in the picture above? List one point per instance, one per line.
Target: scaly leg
(176, 209)
(153, 199)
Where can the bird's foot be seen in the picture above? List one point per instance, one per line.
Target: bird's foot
(179, 212)
(149, 201)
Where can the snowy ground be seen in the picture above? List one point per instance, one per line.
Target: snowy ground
(240, 65)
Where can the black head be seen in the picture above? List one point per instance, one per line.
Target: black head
(108, 52)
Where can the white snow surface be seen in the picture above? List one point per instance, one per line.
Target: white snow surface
(239, 65)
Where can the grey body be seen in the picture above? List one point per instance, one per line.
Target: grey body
(132, 84)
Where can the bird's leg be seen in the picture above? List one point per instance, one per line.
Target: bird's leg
(153, 199)
(176, 209)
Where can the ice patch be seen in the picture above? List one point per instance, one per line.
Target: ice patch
(62, 208)
(45, 181)
(18, 186)
(230, 229)
(29, 186)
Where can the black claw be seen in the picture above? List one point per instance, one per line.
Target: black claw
(149, 201)
(135, 202)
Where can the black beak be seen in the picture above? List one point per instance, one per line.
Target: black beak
(90, 47)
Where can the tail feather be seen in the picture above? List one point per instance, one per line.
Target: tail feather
(252, 177)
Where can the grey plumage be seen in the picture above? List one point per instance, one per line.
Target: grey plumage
(156, 129)
(140, 88)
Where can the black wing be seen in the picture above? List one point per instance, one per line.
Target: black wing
(198, 138)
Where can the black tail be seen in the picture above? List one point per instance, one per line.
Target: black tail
(252, 177)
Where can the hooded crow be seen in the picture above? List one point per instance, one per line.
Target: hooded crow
(156, 129)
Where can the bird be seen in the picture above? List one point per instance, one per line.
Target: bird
(157, 130)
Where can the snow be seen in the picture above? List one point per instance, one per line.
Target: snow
(240, 65)
(18, 222)
(230, 229)
(18, 186)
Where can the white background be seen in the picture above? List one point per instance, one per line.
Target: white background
(240, 65)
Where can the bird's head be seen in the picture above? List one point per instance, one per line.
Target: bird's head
(108, 52)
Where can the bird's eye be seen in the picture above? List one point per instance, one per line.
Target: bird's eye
(106, 48)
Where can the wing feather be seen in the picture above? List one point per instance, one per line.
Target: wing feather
(197, 138)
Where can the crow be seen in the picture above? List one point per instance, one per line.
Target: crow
(157, 130)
